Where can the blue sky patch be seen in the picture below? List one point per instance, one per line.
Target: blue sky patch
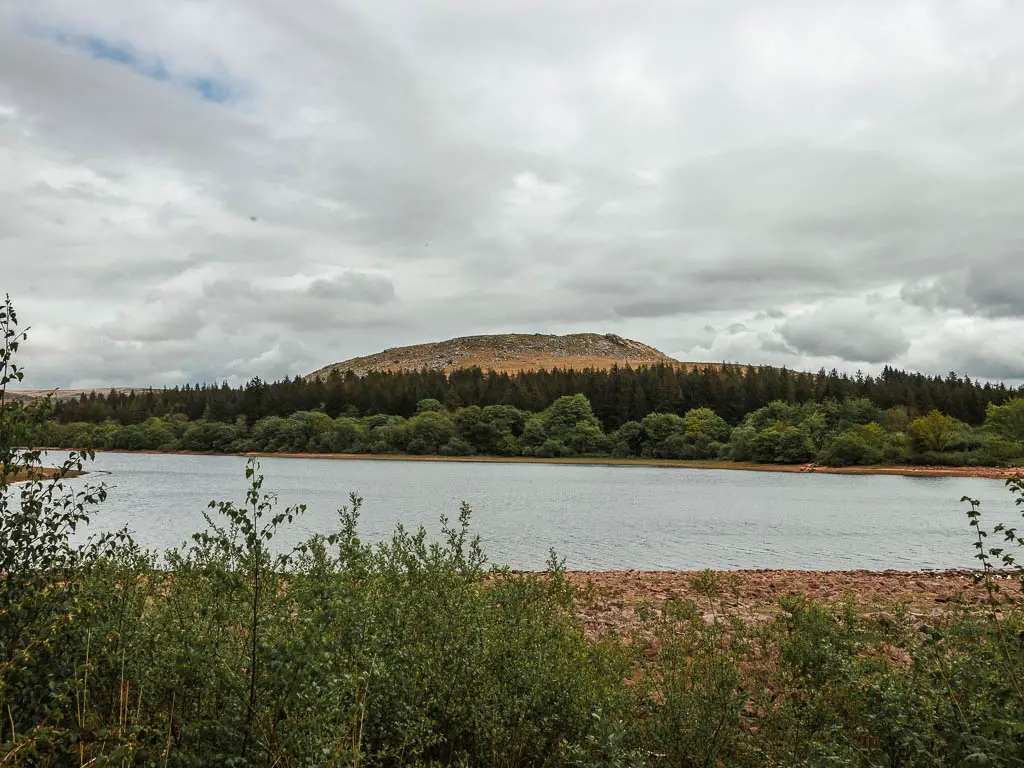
(207, 88)
(210, 89)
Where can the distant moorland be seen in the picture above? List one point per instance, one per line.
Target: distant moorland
(506, 353)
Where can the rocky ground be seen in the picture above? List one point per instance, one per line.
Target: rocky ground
(612, 602)
(508, 352)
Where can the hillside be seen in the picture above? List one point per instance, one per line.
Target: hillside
(28, 395)
(508, 353)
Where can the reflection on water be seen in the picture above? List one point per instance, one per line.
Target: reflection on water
(597, 517)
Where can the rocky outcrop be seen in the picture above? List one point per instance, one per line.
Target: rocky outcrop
(508, 352)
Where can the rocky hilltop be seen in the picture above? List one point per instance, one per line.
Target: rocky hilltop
(508, 353)
(29, 395)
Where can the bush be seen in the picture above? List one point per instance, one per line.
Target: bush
(457, 447)
(429, 404)
(1007, 420)
(861, 444)
(551, 449)
(346, 435)
(406, 653)
(704, 422)
(895, 447)
(934, 432)
(658, 427)
(775, 444)
(212, 436)
(627, 440)
(508, 445)
(692, 707)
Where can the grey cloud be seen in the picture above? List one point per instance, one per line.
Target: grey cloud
(346, 300)
(989, 367)
(353, 286)
(96, 359)
(677, 293)
(934, 294)
(176, 322)
(770, 344)
(990, 350)
(654, 308)
(992, 288)
(849, 332)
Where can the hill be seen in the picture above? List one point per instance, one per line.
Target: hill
(508, 353)
(28, 395)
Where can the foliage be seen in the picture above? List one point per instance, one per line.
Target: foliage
(1006, 421)
(692, 708)
(44, 567)
(858, 445)
(934, 432)
(617, 396)
(835, 433)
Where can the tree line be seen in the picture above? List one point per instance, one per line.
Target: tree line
(617, 395)
(854, 431)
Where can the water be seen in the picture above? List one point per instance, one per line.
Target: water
(597, 517)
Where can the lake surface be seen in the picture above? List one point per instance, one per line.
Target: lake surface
(597, 517)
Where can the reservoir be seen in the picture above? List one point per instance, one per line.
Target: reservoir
(597, 517)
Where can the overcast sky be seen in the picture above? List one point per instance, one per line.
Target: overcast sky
(198, 191)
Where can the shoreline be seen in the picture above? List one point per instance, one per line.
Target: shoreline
(46, 473)
(992, 473)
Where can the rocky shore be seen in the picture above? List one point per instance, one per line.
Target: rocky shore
(612, 602)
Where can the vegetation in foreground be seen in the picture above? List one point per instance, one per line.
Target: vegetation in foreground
(412, 652)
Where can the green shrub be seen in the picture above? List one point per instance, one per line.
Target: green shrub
(934, 433)
(551, 449)
(861, 444)
(692, 705)
(457, 447)
(428, 404)
(1006, 420)
(508, 445)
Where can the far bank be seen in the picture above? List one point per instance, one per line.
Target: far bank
(996, 473)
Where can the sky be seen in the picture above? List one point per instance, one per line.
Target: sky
(211, 190)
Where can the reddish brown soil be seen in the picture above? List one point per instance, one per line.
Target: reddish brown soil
(997, 473)
(609, 600)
